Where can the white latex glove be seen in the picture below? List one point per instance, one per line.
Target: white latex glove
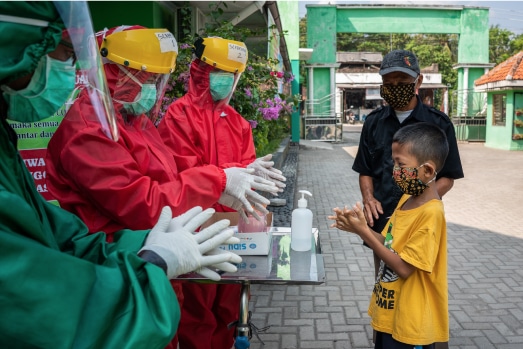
(186, 220)
(226, 266)
(184, 251)
(237, 205)
(241, 185)
(263, 167)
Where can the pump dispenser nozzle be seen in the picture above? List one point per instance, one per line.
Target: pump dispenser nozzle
(303, 202)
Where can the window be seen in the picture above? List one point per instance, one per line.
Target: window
(499, 109)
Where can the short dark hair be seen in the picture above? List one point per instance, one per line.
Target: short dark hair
(427, 142)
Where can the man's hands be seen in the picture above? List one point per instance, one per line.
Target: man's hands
(183, 251)
(372, 209)
(263, 167)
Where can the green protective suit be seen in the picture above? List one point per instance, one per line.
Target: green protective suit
(59, 286)
(63, 288)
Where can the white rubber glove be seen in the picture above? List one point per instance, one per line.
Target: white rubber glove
(184, 251)
(263, 167)
(226, 266)
(186, 221)
(237, 205)
(241, 185)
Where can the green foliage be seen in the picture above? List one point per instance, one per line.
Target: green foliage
(441, 49)
(499, 44)
(256, 96)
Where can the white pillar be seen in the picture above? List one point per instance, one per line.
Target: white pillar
(465, 105)
(310, 93)
(333, 90)
(446, 101)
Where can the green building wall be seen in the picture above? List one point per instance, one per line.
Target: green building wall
(108, 14)
(325, 21)
(500, 137)
(290, 22)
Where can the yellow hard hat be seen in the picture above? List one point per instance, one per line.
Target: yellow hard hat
(224, 54)
(150, 50)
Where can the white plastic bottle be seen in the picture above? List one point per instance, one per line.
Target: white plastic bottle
(301, 225)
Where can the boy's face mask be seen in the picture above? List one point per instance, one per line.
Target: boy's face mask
(221, 84)
(407, 179)
(49, 88)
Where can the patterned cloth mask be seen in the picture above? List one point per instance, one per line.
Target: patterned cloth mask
(407, 179)
(398, 96)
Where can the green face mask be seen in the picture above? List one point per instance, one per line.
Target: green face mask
(49, 88)
(144, 103)
(220, 84)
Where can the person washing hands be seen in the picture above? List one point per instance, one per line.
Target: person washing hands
(202, 129)
(409, 302)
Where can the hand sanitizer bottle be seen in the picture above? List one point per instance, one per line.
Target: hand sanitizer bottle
(301, 225)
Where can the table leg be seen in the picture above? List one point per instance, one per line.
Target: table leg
(242, 330)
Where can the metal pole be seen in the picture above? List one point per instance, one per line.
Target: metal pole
(242, 330)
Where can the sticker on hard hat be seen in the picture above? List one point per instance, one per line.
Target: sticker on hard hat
(167, 42)
(237, 53)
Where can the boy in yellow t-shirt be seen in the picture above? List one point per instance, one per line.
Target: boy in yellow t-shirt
(409, 303)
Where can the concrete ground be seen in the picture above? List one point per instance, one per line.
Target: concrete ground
(485, 230)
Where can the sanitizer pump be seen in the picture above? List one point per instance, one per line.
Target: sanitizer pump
(301, 225)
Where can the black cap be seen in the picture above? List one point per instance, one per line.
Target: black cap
(400, 60)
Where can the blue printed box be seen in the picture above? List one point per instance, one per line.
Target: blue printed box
(251, 244)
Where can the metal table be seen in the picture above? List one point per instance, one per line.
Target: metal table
(283, 266)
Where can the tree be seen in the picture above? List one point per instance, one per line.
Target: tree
(499, 44)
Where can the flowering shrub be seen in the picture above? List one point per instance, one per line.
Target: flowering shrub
(256, 96)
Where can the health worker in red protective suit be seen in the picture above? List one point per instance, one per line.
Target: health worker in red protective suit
(124, 184)
(61, 287)
(202, 129)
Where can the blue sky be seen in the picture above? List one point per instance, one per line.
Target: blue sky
(506, 14)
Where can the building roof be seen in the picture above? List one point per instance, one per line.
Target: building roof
(509, 70)
(359, 57)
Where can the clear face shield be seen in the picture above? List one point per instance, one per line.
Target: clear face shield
(77, 20)
(138, 94)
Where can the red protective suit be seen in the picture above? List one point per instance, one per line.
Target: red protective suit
(201, 132)
(115, 185)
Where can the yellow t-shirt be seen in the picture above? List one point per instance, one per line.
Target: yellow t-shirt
(414, 310)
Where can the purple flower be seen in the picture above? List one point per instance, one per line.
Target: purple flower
(253, 123)
(248, 92)
(270, 113)
(250, 68)
(184, 46)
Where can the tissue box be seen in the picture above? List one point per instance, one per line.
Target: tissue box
(251, 244)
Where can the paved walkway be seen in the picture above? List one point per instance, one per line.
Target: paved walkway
(485, 231)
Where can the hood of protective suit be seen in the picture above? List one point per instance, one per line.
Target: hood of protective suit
(20, 56)
(199, 86)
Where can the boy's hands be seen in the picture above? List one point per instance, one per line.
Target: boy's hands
(351, 220)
